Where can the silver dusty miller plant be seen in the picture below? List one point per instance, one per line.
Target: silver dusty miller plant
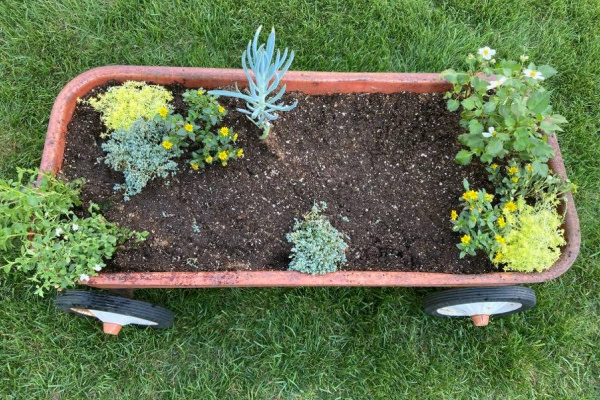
(319, 248)
(261, 109)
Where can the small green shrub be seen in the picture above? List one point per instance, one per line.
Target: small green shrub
(57, 248)
(141, 154)
(319, 248)
(535, 238)
(122, 105)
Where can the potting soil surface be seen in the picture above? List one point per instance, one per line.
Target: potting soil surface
(383, 163)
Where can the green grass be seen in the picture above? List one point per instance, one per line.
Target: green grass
(304, 343)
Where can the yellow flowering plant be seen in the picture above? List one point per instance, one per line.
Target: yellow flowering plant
(196, 131)
(480, 223)
(520, 179)
(203, 108)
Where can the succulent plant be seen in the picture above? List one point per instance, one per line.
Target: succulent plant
(261, 108)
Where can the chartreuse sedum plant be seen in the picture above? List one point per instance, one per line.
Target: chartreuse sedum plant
(319, 248)
(266, 76)
(504, 109)
(195, 131)
(120, 106)
(533, 242)
(52, 244)
(141, 154)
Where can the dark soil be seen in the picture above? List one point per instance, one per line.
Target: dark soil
(384, 164)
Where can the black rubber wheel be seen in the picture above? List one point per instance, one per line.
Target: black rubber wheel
(71, 300)
(490, 299)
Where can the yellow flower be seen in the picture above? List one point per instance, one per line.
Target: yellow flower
(224, 163)
(514, 179)
(510, 206)
(200, 92)
(166, 144)
(235, 136)
(453, 215)
(497, 257)
(513, 170)
(501, 222)
(529, 168)
(221, 109)
(163, 111)
(240, 153)
(499, 239)
(224, 131)
(494, 166)
(465, 239)
(489, 197)
(208, 159)
(470, 195)
(194, 166)
(189, 127)
(223, 156)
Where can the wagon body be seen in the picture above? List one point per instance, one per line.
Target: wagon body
(309, 83)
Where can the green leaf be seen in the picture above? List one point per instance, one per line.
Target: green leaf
(475, 127)
(539, 101)
(489, 107)
(547, 71)
(494, 147)
(479, 84)
(453, 105)
(468, 104)
(540, 168)
(463, 157)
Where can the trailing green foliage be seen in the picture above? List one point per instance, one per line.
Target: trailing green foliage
(265, 78)
(120, 106)
(139, 154)
(509, 115)
(57, 248)
(534, 240)
(195, 131)
(319, 248)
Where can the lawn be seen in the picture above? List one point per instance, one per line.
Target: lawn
(306, 343)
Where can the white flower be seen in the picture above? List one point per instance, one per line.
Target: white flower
(486, 52)
(496, 83)
(470, 57)
(84, 278)
(58, 231)
(490, 132)
(75, 227)
(533, 74)
(523, 58)
(97, 267)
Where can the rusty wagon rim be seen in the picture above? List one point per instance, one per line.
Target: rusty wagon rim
(310, 83)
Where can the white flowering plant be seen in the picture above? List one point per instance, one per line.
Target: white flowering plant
(42, 236)
(504, 109)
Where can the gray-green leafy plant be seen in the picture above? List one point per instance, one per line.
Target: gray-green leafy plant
(52, 244)
(267, 75)
(139, 154)
(506, 115)
(319, 248)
